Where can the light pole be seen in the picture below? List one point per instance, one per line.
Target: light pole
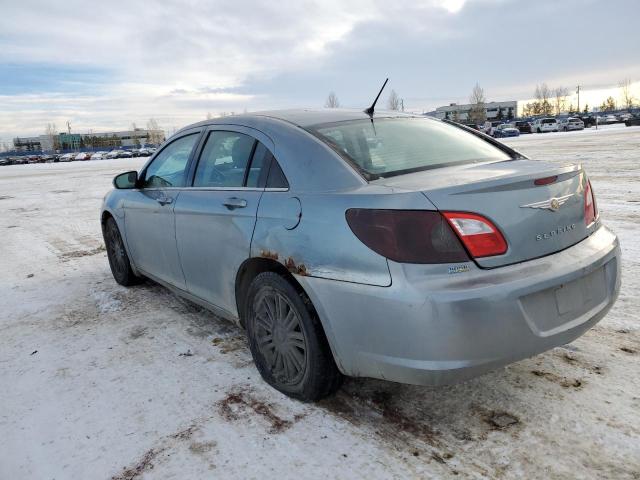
(578, 92)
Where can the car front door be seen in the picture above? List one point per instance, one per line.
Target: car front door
(149, 219)
(215, 217)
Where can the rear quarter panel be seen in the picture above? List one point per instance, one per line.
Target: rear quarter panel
(308, 232)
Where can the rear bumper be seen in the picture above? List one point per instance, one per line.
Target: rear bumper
(432, 327)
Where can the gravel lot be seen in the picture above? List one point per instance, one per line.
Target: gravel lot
(98, 381)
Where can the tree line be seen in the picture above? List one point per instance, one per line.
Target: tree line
(394, 101)
(546, 101)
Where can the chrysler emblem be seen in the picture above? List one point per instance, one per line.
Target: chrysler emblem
(552, 204)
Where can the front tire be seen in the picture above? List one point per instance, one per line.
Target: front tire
(287, 341)
(117, 254)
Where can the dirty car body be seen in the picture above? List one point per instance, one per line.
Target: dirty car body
(429, 273)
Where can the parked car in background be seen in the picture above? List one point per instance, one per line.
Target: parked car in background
(570, 123)
(633, 120)
(588, 120)
(523, 126)
(125, 154)
(144, 152)
(490, 126)
(427, 264)
(67, 157)
(113, 154)
(83, 156)
(506, 130)
(97, 156)
(543, 125)
(47, 158)
(609, 119)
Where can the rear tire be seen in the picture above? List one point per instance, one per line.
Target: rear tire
(287, 341)
(117, 254)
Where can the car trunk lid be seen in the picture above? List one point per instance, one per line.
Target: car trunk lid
(535, 219)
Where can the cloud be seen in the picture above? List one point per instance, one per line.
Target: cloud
(110, 63)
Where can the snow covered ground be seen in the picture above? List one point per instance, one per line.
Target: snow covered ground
(99, 381)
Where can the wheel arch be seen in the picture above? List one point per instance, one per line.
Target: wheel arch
(250, 269)
(254, 266)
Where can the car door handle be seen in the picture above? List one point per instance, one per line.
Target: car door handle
(164, 200)
(235, 202)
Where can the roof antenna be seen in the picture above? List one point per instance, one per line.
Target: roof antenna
(369, 111)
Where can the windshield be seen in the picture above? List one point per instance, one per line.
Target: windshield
(394, 146)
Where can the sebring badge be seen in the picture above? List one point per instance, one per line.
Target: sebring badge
(552, 204)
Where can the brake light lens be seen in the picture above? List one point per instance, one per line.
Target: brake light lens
(590, 207)
(407, 236)
(545, 180)
(481, 237)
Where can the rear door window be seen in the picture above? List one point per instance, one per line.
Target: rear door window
(265, 170)
(224, 160)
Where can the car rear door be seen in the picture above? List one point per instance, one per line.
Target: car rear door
(216, 215)
(149, 217)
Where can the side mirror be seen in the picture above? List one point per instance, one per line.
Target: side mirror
(126, 180)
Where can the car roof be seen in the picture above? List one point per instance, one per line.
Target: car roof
(304, 117)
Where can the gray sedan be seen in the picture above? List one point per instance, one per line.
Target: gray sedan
(389, 246)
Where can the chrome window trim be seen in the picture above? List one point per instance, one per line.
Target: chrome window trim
(215, 189)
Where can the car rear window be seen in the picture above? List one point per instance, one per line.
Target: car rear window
(393, 146)
(549, 120)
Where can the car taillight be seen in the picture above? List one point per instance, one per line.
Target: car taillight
(407, 236)
(590, 207)
(479, 235)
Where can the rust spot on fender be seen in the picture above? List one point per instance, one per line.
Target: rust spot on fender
(293, 267)
(269, 254)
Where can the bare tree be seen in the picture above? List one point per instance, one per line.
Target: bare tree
(393, 103)
(332, 101)
(542, 105)
(627, 94)
(156, 135)
(608, 105)
(52, 135)
(478, 111)
(560, 95)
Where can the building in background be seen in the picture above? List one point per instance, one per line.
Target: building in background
(494, 111)
(90, 141)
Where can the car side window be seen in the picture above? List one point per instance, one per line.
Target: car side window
(168, 168)
(224, 160)
(276, 177)
(265, 171)
(257, 174)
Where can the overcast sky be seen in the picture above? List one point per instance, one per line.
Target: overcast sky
(104, 65)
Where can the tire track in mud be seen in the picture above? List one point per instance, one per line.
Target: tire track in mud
(150, 457)
(415, 432)
(240, 403)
